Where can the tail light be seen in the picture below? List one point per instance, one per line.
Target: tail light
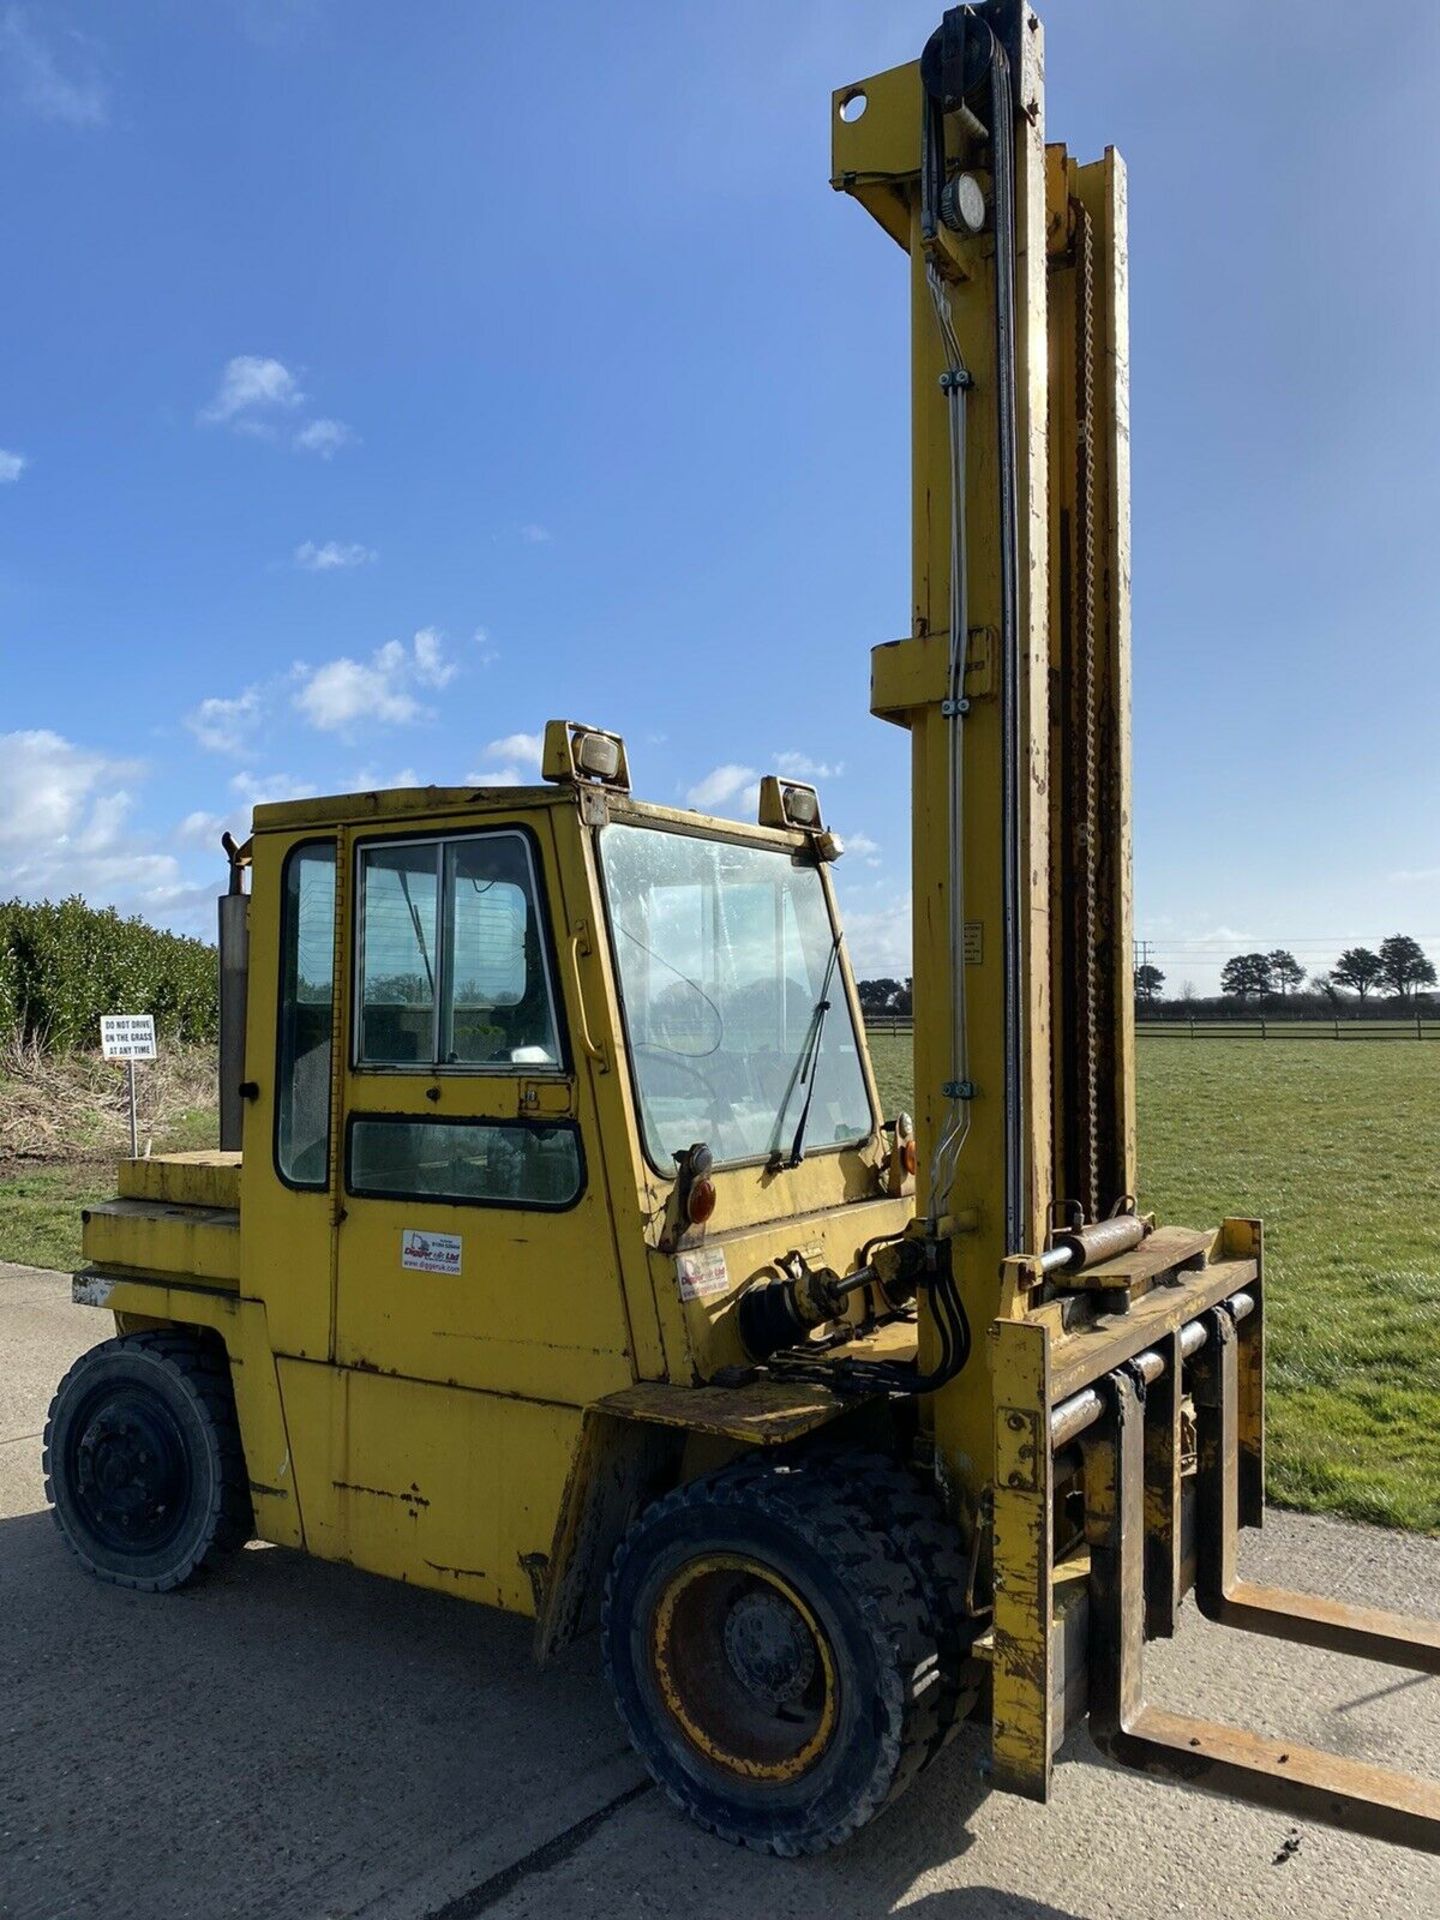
(697, 1189)
(700, 1202)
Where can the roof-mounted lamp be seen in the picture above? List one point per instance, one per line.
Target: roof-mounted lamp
(794, 804)
(586, 755)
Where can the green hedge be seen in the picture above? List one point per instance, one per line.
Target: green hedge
(62, 966)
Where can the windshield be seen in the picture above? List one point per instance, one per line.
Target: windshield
(726, 954)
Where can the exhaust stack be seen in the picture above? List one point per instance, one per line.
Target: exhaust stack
(234, 934)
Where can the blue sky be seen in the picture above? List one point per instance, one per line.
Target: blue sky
(380, 381)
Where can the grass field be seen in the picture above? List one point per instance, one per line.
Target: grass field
(1335, 1149)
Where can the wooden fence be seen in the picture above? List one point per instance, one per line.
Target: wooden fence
(1415, 1028)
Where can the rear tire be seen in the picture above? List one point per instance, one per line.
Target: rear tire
(144, 1466)
(770, 1657)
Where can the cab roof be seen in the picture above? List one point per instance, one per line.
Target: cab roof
(407, 807)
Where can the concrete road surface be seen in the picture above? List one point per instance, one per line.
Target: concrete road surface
(301, 1741)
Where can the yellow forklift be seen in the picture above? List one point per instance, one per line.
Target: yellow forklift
(559, 1254)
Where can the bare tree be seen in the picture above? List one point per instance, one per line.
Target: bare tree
(1324, 985)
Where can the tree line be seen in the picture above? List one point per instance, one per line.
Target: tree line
(885, 996)
(63, 964)
(1399, 969)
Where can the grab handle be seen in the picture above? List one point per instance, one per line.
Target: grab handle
(581, 948)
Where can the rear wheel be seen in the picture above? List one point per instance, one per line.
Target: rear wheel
(769, 1655)
(143, 1461)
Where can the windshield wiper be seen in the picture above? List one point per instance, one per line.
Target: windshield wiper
(809, 1062)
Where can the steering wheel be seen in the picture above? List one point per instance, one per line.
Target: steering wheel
(679, 1064)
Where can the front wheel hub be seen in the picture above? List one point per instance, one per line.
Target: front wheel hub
(131, 1473)
(769, 1647)
(744, 1668)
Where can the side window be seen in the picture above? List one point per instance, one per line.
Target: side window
(475, 1162)
(400, 893)
(453, 969)
(307, 997)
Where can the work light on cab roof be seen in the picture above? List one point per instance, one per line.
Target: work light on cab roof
(576, 752)
(793, 803)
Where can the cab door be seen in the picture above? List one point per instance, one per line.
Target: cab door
(287, 1198)
(474, 1245)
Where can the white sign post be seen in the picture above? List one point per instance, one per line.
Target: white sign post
(129, 1037)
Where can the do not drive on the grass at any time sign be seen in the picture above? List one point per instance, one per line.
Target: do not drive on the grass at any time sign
(128, 1037)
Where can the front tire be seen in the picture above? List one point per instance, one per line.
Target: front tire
(771, 1658)
(144, 1466)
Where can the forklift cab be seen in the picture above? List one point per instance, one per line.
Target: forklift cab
(538, 1083)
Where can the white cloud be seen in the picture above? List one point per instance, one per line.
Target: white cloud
(329, 556)
(336, 696)
(72, 91)
(495, 777)
(733, 789)
(489, 654)
(106, 823)
(432, 669)
(342, 693)
(1411, 876)
(879, 938)
(63, 826)
(730, 788)
(49, 787)
(251, 387)
(798, 766)
(254, 790)
(367, 780)
(201, 829)
(325, 437)
(254, 394)
(534, 535)
(12, 465)
(227, 726)
(524, 747)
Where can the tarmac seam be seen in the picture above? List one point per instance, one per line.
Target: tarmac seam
(465, 1906)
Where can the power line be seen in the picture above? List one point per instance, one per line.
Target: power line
(1268, 944)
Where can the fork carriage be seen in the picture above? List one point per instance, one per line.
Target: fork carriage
(1156, 1431)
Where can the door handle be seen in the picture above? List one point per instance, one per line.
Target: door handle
(580, 946)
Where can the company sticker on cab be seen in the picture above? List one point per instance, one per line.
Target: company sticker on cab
(430, 1252)
(702, 1273)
